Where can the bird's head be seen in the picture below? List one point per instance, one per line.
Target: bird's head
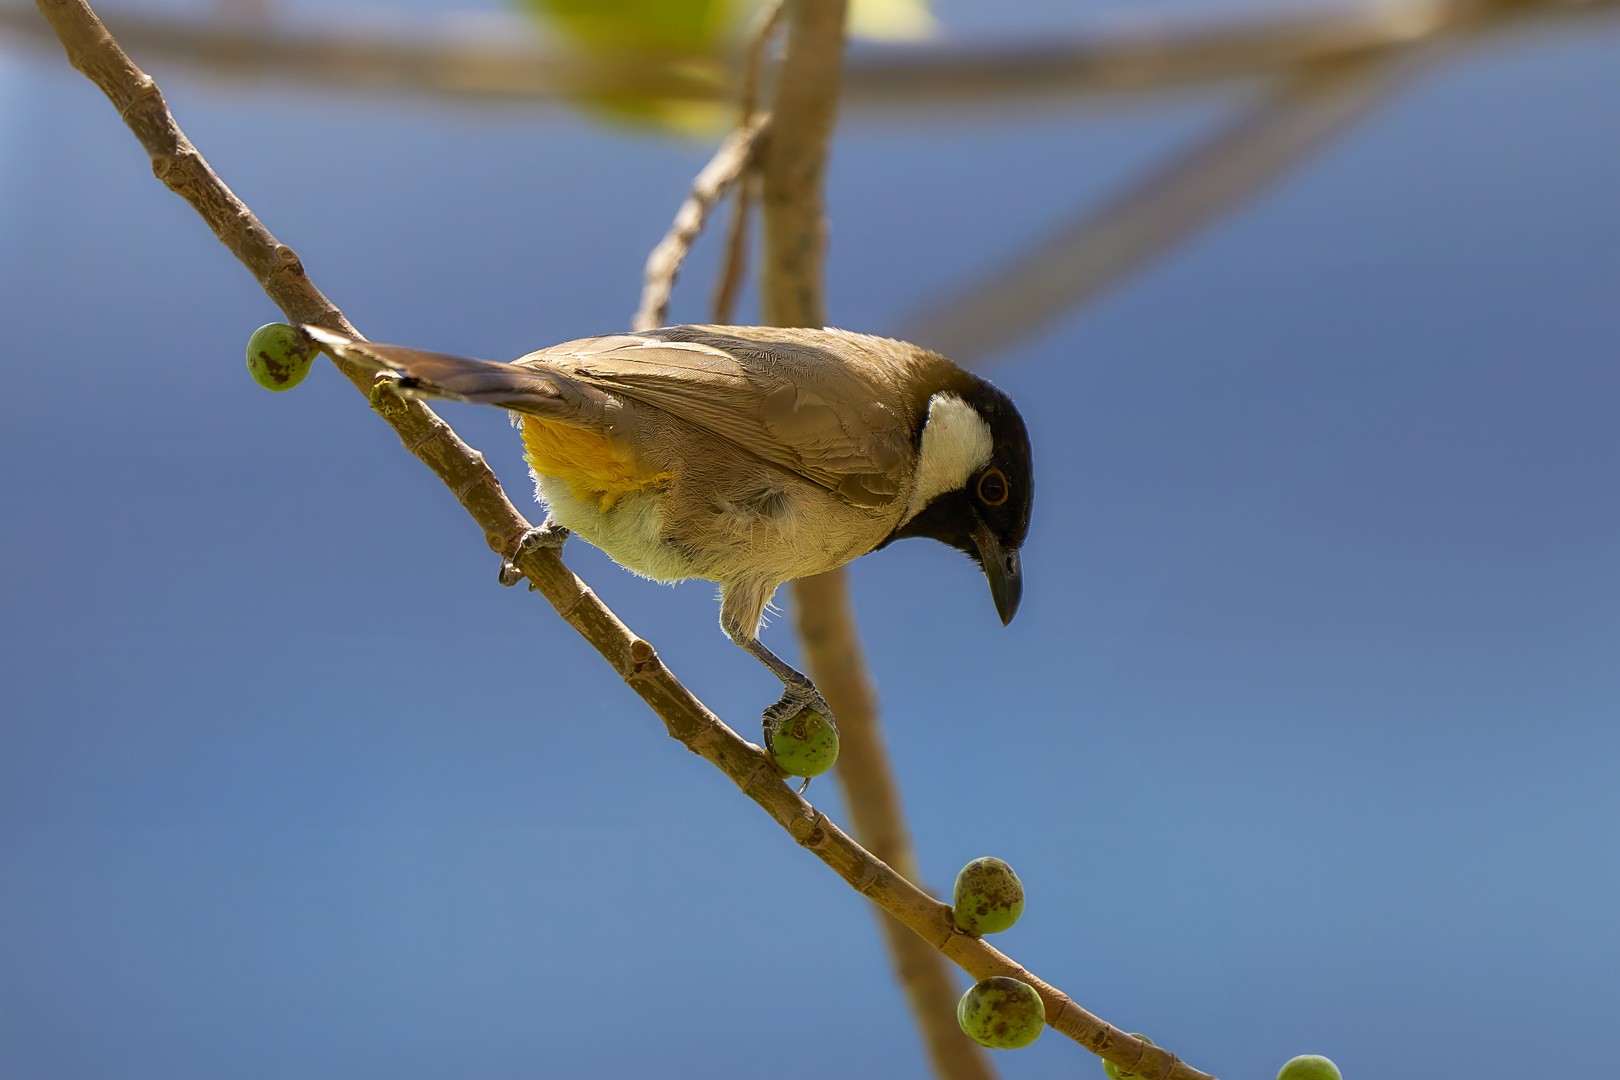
(974, 483)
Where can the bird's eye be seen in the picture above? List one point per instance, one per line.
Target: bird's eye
(993, 488)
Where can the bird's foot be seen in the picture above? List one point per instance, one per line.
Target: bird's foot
(802, 721)
(549, 535)
(796, 699)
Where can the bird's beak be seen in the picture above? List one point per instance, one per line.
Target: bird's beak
(1002, 569)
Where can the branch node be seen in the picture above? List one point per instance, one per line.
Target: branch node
(808, 831)
(483, 475)
(146, 91)
(437, 431)
(566, 608)
(1063, 1007)
(766, 765)
(869, 876)
(644, 662)
(500, 543)
(162, 164)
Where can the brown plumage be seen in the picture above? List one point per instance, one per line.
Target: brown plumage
(751, 456)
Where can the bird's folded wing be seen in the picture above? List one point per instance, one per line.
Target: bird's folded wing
(791, 403)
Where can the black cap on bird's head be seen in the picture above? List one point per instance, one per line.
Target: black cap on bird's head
(975, 484)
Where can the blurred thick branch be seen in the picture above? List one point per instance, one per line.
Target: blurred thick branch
(1180, 53)
(793, 294)
(1076, 262)
(94, 52)
(794, 165)
(825, 619)
(460, 62)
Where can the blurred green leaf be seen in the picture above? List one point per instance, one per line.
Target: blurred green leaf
(686, 37)
(693, 36)
(680, 26)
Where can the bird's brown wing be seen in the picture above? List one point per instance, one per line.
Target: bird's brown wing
(828, 407)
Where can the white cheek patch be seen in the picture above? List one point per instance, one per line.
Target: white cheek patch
(955, 444)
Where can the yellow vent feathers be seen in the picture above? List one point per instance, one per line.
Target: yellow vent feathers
(596, 470)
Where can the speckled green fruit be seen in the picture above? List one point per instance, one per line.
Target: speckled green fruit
(988, 897)
(279, 356)
(1309, 1067)
(806, 745)
(1113, 1070)
(1001, 1013)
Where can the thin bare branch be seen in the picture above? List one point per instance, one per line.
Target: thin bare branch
(463, 63)
(730, 163)
(723, 302)
(93, 51)
(716, 178)
(1079, 260)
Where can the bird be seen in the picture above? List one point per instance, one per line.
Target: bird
(749, 456)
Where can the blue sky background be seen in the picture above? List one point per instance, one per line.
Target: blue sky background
(1308, 720)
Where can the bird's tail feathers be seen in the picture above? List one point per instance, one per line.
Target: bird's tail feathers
(439, 375)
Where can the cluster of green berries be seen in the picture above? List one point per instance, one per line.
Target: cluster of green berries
(1000, 1012)
(1004, 1013)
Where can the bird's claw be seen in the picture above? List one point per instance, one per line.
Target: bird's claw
(548, 536)
(795, 699)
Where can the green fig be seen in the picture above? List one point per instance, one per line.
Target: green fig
(988, 897)
(805, 744)
(1309, 1067)
(1001, 1013)
(1113, 1070)
(278, 356)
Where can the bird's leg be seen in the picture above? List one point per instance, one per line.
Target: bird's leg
(742, 603)
(798, 693)
(548, 535)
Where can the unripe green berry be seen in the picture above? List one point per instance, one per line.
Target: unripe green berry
(1001, 1013)
(805, 744)
(1309, 1067)
(278, 356)
(1113, 1070)
(988, 897)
